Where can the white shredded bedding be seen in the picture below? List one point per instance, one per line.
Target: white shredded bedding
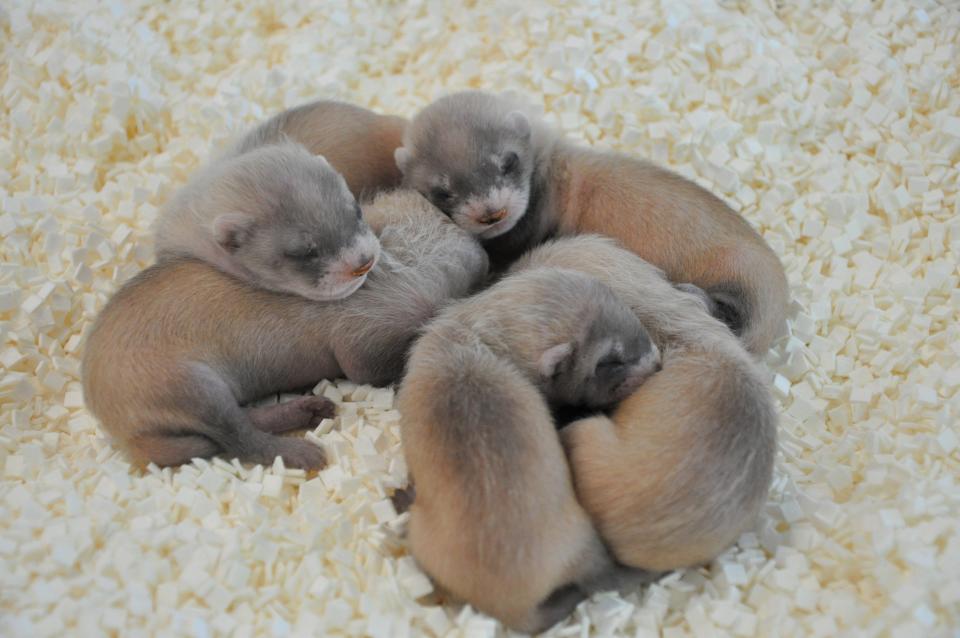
(833, 127)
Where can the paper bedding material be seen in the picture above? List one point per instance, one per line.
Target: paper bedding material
(835, 130)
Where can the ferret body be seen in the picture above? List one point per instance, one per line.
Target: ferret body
(514, 182)
(357, 142)
(181, 347)
(276, 217)
(495, 520)
(684, 464)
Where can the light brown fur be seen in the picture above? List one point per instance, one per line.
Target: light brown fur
(179, 348)
(684, 464)
(669, 221)
(357, 142)
(495, 520)
(454, 144)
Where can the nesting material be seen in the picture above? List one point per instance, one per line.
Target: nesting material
(835, 130)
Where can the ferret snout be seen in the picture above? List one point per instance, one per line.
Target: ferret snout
(493, 216)
(650, 362)
(367, 262)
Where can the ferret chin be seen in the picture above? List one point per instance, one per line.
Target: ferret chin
(179, 349)
(683, 465)
(481, 159)
(495, 520)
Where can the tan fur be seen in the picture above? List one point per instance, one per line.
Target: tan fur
(358, 143)
(674, 224)
(180, 347)
(685, 463)
(454, 150)
(495, 520)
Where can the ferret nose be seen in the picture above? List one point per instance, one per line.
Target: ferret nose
(360, 271)
(492, 217)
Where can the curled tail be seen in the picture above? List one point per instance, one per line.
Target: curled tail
(753, 303)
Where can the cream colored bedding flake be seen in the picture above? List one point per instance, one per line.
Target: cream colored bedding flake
(834, 128)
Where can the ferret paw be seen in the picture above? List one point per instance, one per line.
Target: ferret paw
(402, 498)
(302, 454)
(318, 409)
(305, 412)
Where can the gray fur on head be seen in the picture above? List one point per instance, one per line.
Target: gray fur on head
(277, 217)
(571, 335)
(609, 358)
(181, 347)
(472, 154)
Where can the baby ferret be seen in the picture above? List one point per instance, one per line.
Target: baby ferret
(357, 142)
(684, 463)
(179, 349)
(495, 520)
(276, 217)
(514, 182)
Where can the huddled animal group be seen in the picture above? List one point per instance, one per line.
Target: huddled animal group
(574, 333)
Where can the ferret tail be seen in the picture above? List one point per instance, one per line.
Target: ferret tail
(754, 304)
(611, 576)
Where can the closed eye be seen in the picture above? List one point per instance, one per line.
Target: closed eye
(510, 163)
(609, 362)
(356, 208)
(305, 254)
(440, 195)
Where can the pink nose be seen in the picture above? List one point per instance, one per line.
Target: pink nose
(362, 270)
(493, 217)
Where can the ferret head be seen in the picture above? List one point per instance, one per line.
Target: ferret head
(286, 221)
(471, 155)
(610, 358)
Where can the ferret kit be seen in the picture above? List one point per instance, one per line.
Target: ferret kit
(499, 276)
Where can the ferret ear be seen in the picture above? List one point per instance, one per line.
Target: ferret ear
(552, 360)
(401, 155)
(232, 230)
(518, 123)
(323, 161)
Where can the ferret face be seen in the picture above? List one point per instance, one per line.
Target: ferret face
(610, 360)
(473, 165)
(299, 230)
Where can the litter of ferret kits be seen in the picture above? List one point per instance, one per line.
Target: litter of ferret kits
(834, 129)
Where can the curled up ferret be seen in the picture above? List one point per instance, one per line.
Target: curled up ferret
(683, 465)
(514, 182)
(495, 520)
(180, 348)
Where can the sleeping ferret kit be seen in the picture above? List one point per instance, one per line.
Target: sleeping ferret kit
(785, 459)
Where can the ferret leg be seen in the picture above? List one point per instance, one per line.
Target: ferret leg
(169, 449)
(305, 412)
(224, 421)
(255, 446)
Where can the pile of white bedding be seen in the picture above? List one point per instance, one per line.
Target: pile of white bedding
(834, 129)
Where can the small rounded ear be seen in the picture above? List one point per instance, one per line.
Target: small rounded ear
(518, 123)
(232, 230)
(401, 155)
(552, 359)
(323, 161)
